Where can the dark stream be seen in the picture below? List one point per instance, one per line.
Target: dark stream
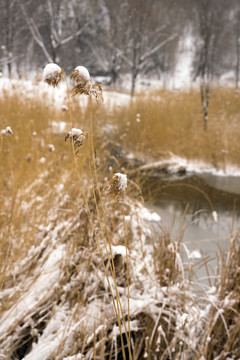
(194, 198)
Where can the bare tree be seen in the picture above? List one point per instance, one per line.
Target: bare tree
(59, 29)
(108, 37)
(62, 30)
(237, 41)
(8, 10)
(149, 33)
(35, 31)
(208, 14)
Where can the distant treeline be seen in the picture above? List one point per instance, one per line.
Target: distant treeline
(121, 36)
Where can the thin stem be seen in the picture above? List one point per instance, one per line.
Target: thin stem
(128, 294)
(90, 215)
(110, 258)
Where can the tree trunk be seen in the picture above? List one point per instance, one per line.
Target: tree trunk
(114, 73)
(134, 78)
(9, 39)
(114, 76)
(55, 54)
(9, 67)
(238, 61)
(205, 96)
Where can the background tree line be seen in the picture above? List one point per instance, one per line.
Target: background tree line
(122, 36)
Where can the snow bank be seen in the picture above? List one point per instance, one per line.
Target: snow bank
(57, 96)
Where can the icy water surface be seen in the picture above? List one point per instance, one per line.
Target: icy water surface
(186, 205)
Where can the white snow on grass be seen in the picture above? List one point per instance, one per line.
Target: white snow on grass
(42, 160)
(56, 332)
(48, 276)
(56, 96)
(175, 163)
(51, 147)
(195, 254)
(119, 250)
(142, 213)
(146, 214)
(74, 357)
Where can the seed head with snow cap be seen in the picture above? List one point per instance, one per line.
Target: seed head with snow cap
(118, 185)
(7, 131)
(52, 74)
(77, 137)
(83, 83)
(80, 74)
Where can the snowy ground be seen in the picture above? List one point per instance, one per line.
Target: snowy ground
(227, 177)
(56, 97)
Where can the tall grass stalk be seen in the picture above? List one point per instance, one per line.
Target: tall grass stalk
(117, 307)
(110, 257)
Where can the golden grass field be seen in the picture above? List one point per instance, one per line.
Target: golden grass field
(173, 122)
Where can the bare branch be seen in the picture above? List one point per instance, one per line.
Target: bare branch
(125, 58)
(54, 36)
(70, 37)
(10, 59)
(156, 32)
(34, 31)
(157, 48)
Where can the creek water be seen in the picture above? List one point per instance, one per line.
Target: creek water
(186, 204)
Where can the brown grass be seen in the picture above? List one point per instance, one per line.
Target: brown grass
(24, 179)
(173, 122)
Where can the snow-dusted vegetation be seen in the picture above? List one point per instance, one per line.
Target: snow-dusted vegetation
(119, 180)
(87, 271)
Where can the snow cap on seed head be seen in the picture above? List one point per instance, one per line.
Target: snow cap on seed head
(77, 137)
(83, 84)
(121, 181)
(52, 74)
(118, 185)
(74, 133)
(7, 131)
(82, 73)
